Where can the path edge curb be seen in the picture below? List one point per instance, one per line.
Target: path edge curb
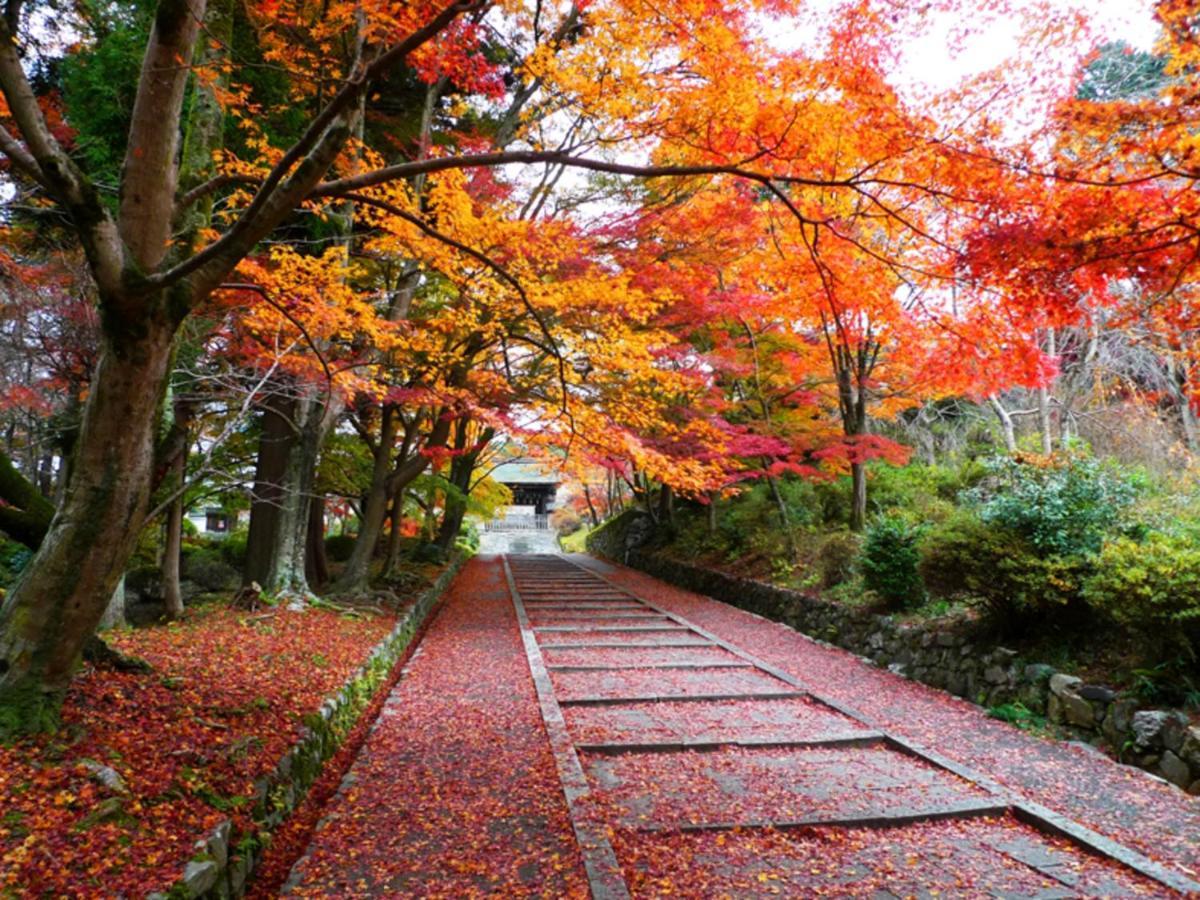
(224, 860)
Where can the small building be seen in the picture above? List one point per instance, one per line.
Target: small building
(534, 488)
(212, 521)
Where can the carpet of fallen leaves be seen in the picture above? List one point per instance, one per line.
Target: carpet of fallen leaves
(225, 699)
(455, 793)
(789, 784)
(976, 858)
(665, 682)
(1118, 801)
(722, 720)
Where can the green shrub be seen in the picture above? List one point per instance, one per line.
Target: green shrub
(233, 547)
(1065, 507)
(206, 566)
(338, 547)
(918, 487)
(836, 555)
(889, 561)
(468, 537)
(964, 556)
(1151, 587)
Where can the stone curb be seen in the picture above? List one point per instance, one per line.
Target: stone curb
(221, 868)
(1157, 741)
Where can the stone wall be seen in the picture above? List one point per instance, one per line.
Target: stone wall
(955, 660)
(224, 860)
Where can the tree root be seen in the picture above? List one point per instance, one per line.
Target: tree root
(100, 654)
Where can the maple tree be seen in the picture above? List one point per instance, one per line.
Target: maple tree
(782, 266)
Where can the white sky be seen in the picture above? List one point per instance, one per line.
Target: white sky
(932, 63)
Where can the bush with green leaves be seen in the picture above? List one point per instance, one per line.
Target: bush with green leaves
(338, 547)
(966, 557)
(836, 556)
(1064, 508)
(889, 561)
(1151, 587)
(926, 490)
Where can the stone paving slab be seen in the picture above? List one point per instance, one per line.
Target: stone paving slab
(777, 720)
(978, 858)
(756, 785)
(1114, 801)
(660, 681)
(633, 656)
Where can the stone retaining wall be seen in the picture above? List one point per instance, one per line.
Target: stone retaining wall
(225, 860)
(957, 661)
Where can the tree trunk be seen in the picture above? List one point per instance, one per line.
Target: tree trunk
(1006, 423)
(355, 576)
(114, 613)
(712, 512)
(461, 470)
(293, 431)
(392, 565)
(858, 496)
(587, 496)
(357, 572)
(26, 514)
(315, 561)
(56, 605)
(1045, 421)
(173, 542)
(276, 441)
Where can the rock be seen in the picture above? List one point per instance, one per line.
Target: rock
(946, 639)
(1061, 684)
(1097, 692)
(956, 684)
(199, 876)
(1122, 711)
(1190, 751)
(1148, 727)
(1176, 770)
(238, 872)
(1077, 711)
(995, 675)
(107, 776)
(875, 641)
(897, 669)
(218, 843)
(1174, 731)
(1194, 788)
(1054, 709)
(1005, 654)
(1038, 672)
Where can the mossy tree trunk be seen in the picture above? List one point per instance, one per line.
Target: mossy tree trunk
(58, 603)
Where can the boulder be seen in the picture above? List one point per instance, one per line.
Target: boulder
(1190, 750)
(1174, 731)
(1175, 769)
(1061, 684)
(1097, 692)
(995, 675)
(1077, 711)
(1121, 712)
(199, 876)
(218, 843)
(1148, 728)
(106, 775)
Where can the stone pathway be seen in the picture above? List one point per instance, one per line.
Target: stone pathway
(671, 761)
